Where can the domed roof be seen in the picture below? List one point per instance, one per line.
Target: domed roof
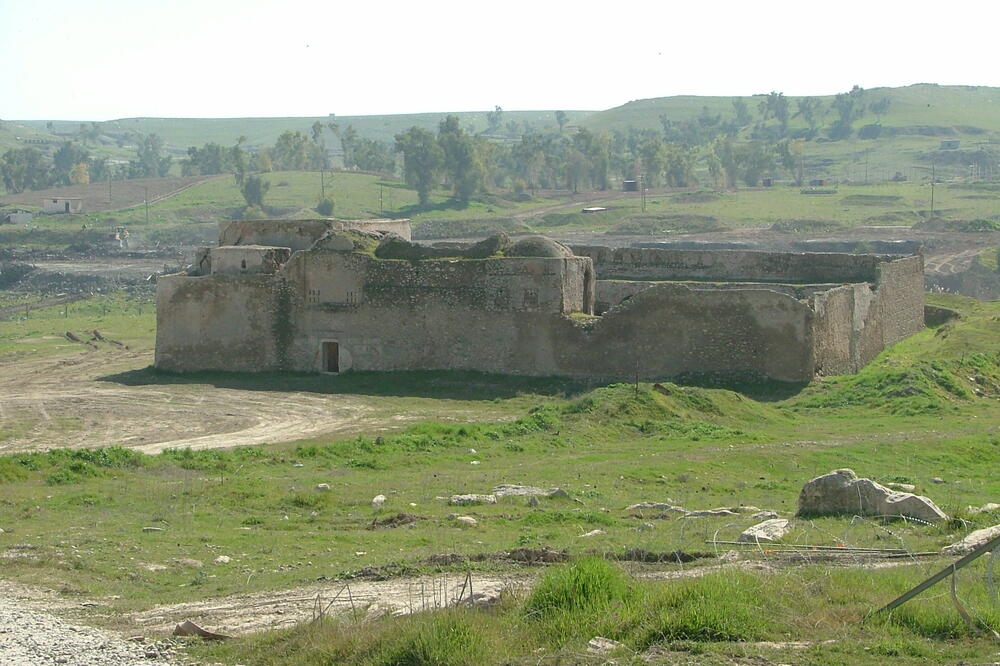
(538, 246)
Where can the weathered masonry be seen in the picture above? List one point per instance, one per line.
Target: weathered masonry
(318, 298)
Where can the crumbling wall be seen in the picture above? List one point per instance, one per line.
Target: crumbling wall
(730, 265)
(216, 322)
(300, 234)
(398, 227)
(240, 259)
(294, 234)
(897, 309)
(667, 330)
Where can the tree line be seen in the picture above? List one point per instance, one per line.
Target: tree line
(751, 142)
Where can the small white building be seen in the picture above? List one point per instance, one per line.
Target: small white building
(16, 216)
(62, 205)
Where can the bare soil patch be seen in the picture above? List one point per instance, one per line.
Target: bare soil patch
(124, 193)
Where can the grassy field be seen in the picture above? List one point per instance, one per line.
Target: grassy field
(927, 408)
(192, 216)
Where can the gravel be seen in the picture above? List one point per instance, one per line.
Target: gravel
(29, 637)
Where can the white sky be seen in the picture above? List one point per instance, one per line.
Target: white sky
(106, 59)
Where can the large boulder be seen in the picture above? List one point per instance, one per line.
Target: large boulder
(841, 492)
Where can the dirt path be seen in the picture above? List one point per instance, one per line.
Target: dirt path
(950, 263)
(244, 613)
(60, 403)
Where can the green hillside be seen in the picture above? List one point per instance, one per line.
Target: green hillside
(179, 133)
(964, 109)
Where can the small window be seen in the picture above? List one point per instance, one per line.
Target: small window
(530, 299)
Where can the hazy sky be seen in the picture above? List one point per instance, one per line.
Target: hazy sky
(106, 59)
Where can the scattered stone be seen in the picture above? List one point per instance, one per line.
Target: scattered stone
(842, 492)
(764, 515)
(508, 490)
(472, 498)
(223, 559)
(709, 512)
(189, 628)
(904, 487)
(472, 451)
(937, 479)
(656, 506)
(532, 555)
(378, 501)
(592, 533)
(188, 562)
(474, 462)
(769, 530)
(1, 530)
(744, 508)
(323, 487)
(153, 529)
(991, 506)
(730, 556)
(533, 501)
(972, 541)
(466, 520)
(154, 567)
(601, 645)
(646, 526)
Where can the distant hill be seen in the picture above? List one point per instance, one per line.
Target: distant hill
(965, 109)
(179, 133)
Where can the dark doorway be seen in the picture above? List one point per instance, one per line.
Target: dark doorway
(331, 356)
(67, 206)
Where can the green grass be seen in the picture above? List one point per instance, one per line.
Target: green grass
(705, 620)
(83, 512)
(40, 331)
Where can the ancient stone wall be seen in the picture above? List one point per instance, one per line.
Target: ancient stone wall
(730, 265)
(239, 259)
(334, 310)
(216, 322)
(299, 234)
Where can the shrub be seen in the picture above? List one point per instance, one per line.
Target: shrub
(325, 207)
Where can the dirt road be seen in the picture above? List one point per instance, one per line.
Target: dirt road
(62, 403)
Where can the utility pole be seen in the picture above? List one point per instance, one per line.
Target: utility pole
(322, 184)
(146, 190)
(381, 210)
(642, 191)
(933, 178)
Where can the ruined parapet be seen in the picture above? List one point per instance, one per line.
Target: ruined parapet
(301, 234)
(248, 259)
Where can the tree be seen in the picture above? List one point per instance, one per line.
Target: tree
(291, 151)
(150, 162)
(238, 160)
(64, 159)
(561, 119)
(422, 160)
(742, 111)
(348, 142)
(461, 159)
(24, 169)
(371, 155)
(494, 118)
(809, 108)
(79, 174)
(254, 189)
(880, 108)
(849, 108)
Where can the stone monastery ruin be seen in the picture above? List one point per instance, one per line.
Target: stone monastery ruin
(331, 296)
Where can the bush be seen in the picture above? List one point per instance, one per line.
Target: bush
(325, 207)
